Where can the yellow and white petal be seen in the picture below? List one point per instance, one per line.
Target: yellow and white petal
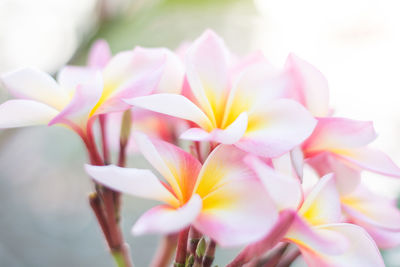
(322, 204)
(136, 182)
(173, 105)
(31, 83)
(178, 167)
(21, 112)
(207, 62)
(168, 220)
(277, 128)
(257, 85)
(237, 212)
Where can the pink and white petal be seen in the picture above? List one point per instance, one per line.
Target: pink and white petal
(224, 163)
(173, 105)
(312, 239)
(22, 112)
(347, 176)
(322, 204)
(237, 212)
(297, 160)
(278, 128)
(383, 238)
(308, 86)
(140, 85)
(363, 206)
(77, 112)
(178, 167)
(362, 250)
(33, 84)
(173, 75)
(285, 191)
(269, 241)
(70, 77)
(207, 73)
(99, 54)
(136, 182)
(371, 160)
(168, 220)
(255, 87)
(335, 134)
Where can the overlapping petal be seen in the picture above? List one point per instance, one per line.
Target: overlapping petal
(285, 191)
(277, 128)
(177, 166)
(369, 208)
(361, 251)
(87, 94)
(322, 204)
(207, 62)
(236, 207)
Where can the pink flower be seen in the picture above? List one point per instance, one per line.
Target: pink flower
(222, 199)
(82, 93)
(241, 104)
(317, 229)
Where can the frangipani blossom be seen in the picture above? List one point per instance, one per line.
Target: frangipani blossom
(155, 124)
(241, 105)
(339, 145)
(378, 215)
(222, 199)
(317, 231)
(82, 93)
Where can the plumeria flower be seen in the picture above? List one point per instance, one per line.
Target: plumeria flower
(241, 105)
(154, 124)
(376, 214)
(340, 145)
(317, 229)
(80, 93)
(223, 199)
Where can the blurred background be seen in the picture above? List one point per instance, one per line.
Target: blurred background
(45, 219)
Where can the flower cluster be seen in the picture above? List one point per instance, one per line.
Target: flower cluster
(251, 128)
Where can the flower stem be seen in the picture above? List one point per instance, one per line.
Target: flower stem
(209, 255)
(103, 205)
(104, 140)
(180, 258)
(165, 251)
